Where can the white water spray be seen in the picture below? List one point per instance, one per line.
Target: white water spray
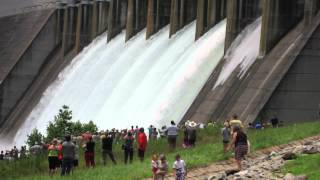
(242, 53)
(140, 82)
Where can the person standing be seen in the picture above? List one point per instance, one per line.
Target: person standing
(150, 130)
(23, 152)
(172, 133)
(142, 144)
(53, 157)
(59, 163)
(274, 122)
(240, 144)
(162, 168)
(154, 166)
(107, 142)
(68, 152)
(225, 132)
(15, 153)
(179, 168)
(89, 153)
(1, 156)
(128, 147)
(76, 154)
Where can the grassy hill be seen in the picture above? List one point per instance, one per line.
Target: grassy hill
(208, 150)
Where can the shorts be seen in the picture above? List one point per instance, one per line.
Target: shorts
(75, 163)
(53, 161)
(225, 142)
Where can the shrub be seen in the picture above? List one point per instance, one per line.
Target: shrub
(34, 137)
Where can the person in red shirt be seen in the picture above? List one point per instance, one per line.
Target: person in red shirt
(142, 144)
(59, 163)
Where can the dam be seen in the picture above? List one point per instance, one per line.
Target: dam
(141, 62)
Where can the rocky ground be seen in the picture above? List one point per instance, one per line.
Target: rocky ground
(267, 166)
(262, 164)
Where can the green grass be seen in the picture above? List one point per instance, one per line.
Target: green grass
(307, 164)
(208, 150)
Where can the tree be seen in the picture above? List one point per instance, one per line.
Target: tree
(91, 127)
(61, 125)
(77, 128)
(34, 137)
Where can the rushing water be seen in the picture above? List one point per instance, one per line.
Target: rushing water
(140, 82)
(242, 53)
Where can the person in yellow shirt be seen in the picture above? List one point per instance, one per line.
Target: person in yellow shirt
(235, 122)
(53, 160)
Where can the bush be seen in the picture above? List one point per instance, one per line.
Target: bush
(61, 125)
(34, 137)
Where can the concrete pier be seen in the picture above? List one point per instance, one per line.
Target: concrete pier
(78, 29)
(240, 13)
(209, 13)
(277, 21)
(117, 17)
(182, 12)
(158, 15)
(136, 17)
(86, 23)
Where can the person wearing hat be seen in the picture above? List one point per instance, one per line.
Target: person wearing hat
(192, 132)
(172, 133)
(53, 156)
(128, 147)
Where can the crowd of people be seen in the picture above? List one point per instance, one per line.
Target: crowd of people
(65, 154)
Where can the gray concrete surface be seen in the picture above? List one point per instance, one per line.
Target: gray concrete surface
(12, 7)
(298, 94)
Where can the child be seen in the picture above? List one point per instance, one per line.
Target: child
(162, 167)
(225, 132)
(154, 166)
(179, 168)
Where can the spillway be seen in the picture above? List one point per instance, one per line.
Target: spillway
(242, 53)
(140, 82)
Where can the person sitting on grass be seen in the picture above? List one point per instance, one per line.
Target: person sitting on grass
(240, 144)
(154, 166)
(162, 168)
(179, 168)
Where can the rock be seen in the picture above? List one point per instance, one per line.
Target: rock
(289, 176)
(289, 156)
(301, 177)
(298, 149)
(310, 150)
(308, 143)
(220, 176)
(231, 172)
